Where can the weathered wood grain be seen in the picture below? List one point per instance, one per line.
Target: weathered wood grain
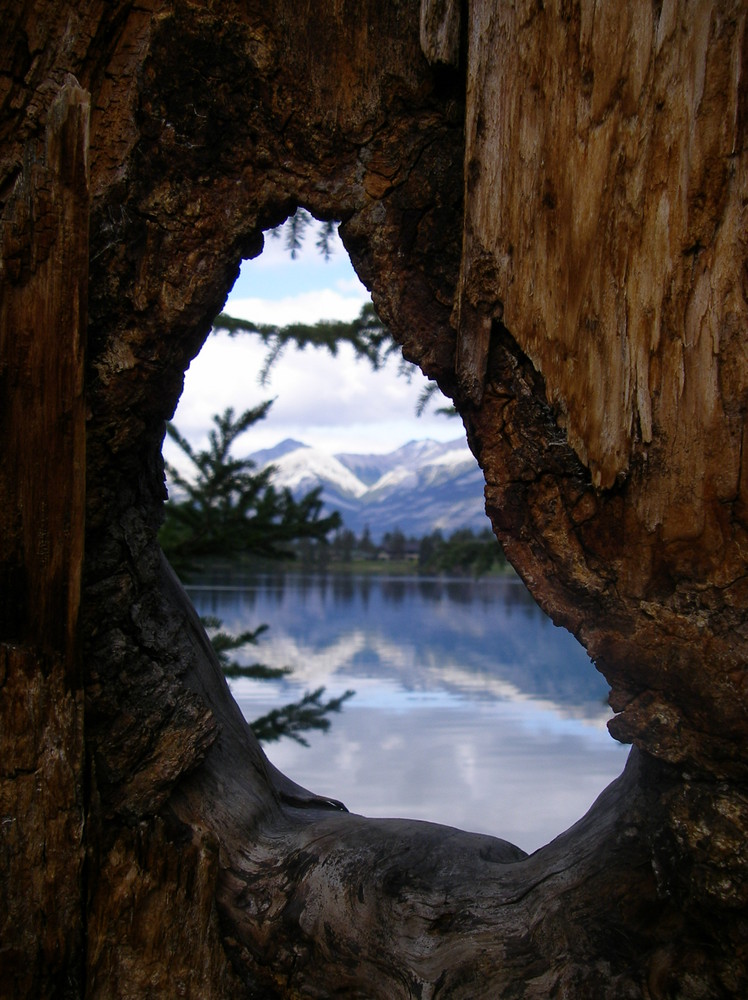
(558, 236)
(44, 268)
(441, 27)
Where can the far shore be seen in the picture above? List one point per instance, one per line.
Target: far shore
(239, 568)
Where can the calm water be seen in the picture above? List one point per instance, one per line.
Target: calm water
(471, 707)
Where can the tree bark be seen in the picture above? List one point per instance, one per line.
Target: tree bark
(42, 500)
(566, 184)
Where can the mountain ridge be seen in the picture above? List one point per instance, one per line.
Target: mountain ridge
(419, 487)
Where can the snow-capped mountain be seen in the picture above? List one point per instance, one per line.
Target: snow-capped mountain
(418, 488)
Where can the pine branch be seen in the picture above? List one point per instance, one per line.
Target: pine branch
(290, 720)
(294, 231)
(231, 508)
(370, 339)
(428, 392)
(297, 717)
(255, 671)
(325, 236)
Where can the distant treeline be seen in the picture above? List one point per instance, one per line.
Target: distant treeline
(462, 552)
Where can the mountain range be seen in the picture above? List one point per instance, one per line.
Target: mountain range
(418, 488)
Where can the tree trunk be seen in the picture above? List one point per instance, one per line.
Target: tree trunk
(42, 497)
(566, 184)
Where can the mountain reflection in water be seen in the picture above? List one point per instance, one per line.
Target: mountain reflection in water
(471, 707)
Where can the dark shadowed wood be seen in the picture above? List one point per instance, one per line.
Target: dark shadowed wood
(44, 261)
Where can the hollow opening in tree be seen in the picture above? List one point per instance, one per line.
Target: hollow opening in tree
(455, 669)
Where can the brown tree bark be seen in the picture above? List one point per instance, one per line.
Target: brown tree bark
(42, 498)
(566, 184)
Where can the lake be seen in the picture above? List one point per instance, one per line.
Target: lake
(471, 707)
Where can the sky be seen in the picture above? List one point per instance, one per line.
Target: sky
(335, 404)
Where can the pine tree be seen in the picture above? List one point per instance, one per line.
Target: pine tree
(229, 508)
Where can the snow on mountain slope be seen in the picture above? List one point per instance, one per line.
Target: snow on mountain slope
(418, 488)
(371, 468)
(305, 468)
(262, 458)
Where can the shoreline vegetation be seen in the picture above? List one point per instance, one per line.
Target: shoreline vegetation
(464, 555)
(403, 568)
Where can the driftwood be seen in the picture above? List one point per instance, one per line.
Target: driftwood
(570, 192)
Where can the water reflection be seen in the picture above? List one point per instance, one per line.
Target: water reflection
(471, 708)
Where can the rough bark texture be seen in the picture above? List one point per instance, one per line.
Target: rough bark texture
(566, 184)
(613, 237)
(44, 241)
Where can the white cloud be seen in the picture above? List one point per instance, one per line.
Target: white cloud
(305, 307)
(333, 403)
